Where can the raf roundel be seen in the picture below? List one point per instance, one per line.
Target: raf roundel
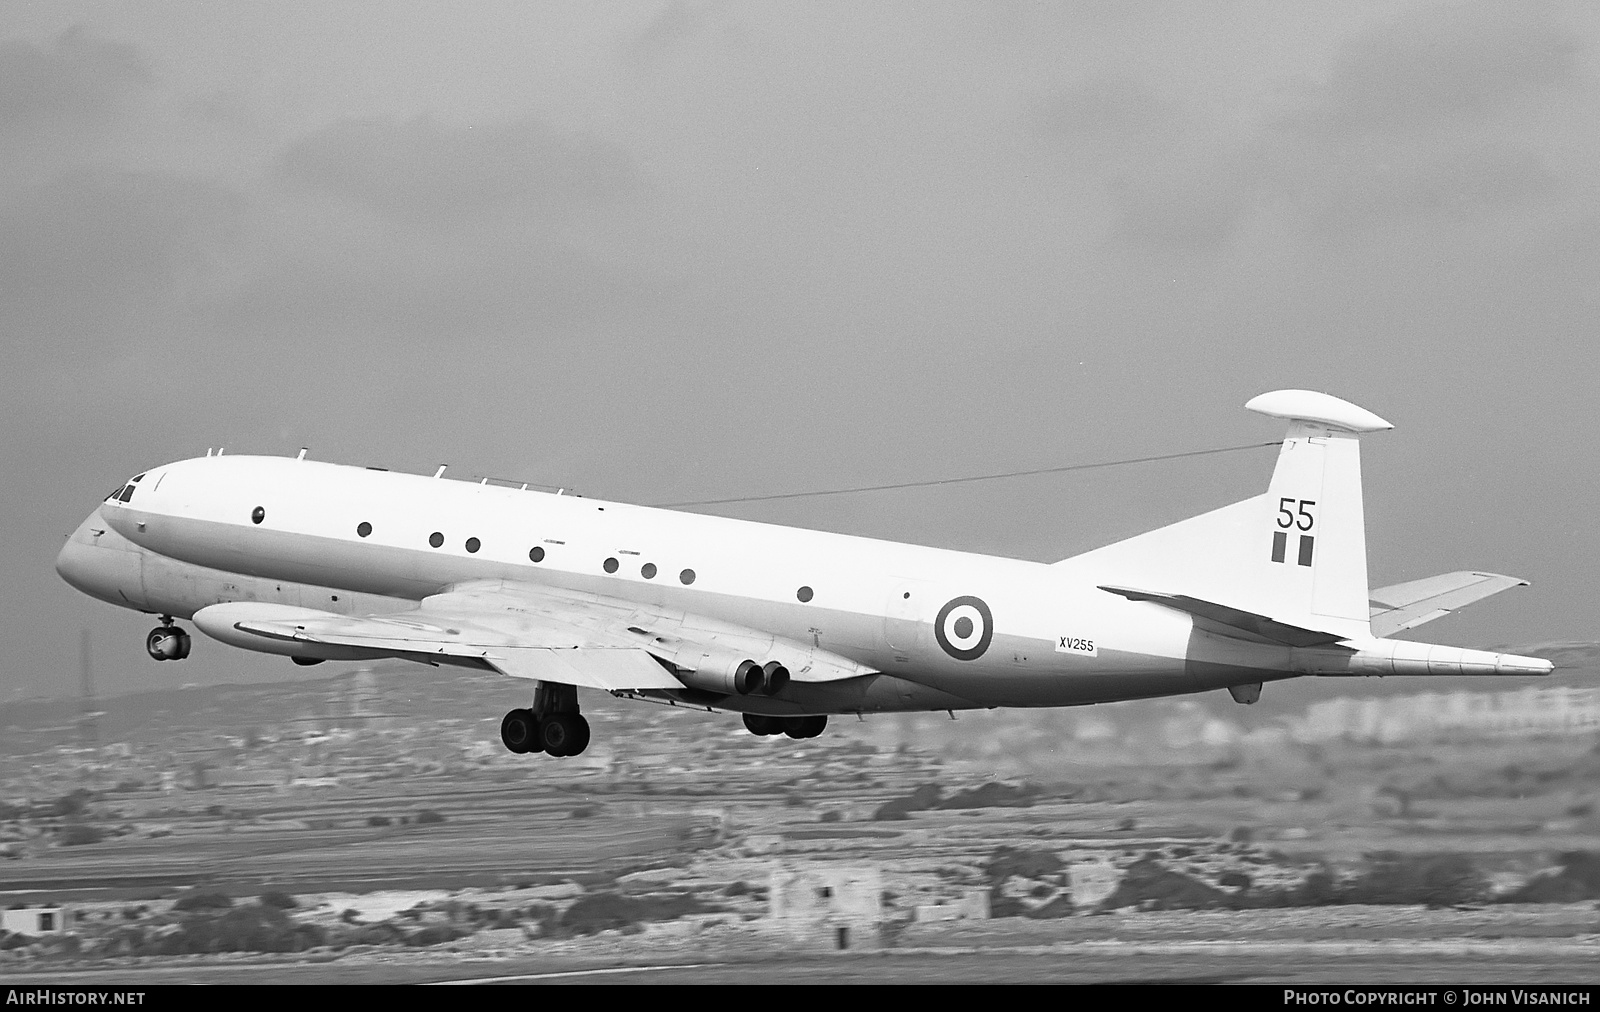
(964, 628)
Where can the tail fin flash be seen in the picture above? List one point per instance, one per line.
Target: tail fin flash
(1297, 555)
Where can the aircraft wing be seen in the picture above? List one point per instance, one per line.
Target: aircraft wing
(538, 632)
(1406, 605)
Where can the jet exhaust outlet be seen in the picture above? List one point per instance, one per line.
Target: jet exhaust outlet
(774, 677)
(727, 674)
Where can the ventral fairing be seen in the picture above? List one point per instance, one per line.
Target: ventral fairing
(318, 561)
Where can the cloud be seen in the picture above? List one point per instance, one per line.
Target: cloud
(445, 176)
(1438, 63)
(92, 251)
(1447, 114)
(675, 23)
(1104, 114)
(78, 76)
(1172, 184)
(1444, 115)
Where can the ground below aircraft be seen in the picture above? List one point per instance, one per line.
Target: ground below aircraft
(320, 561)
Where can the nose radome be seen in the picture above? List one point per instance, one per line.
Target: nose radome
(75, 555)
(101, 564)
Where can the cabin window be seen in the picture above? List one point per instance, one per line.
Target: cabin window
(804, 594)
(610, 565)
(686, 577)
(256, 515)
(648, 571)
(473, 544)
(363, 528)
(436, 539)
(536, 553)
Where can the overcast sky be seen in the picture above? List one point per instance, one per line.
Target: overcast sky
(666, 251)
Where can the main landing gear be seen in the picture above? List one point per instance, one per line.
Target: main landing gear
(794, 727)
(167, 642)
(553, 725)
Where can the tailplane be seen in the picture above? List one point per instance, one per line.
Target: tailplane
(1296, 555)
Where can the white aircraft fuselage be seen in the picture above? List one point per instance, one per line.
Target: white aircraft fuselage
(317, 560)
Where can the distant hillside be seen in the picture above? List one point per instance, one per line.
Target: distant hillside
(422, 695)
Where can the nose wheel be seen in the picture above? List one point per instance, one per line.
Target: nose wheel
(167, 642)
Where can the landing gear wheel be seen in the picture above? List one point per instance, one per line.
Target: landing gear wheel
(564, 734)
(167, 643)
(804, 727)
(761, 724)
(580, 739)
(519, 732)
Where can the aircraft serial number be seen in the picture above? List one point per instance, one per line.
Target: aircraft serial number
(1075, 645)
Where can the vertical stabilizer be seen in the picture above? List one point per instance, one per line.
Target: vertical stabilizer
(1297, 554)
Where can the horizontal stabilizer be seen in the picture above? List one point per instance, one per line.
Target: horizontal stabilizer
(1233, 621)
(1407, 605)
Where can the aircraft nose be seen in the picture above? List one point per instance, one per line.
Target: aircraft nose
(75, 562)
(97, 561)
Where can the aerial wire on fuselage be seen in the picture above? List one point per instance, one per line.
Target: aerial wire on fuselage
(968, 478)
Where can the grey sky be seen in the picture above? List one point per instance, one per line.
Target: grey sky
(665, 251)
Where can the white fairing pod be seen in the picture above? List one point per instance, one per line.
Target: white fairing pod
(221, 622)
(1317, 409)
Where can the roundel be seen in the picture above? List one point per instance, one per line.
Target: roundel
(964, 628)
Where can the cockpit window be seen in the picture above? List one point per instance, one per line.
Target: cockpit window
(125, 492)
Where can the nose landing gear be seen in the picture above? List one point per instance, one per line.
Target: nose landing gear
(167, 642)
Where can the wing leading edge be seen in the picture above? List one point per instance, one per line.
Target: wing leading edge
(525, 632)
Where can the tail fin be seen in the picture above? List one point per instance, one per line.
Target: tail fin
(1297, 555)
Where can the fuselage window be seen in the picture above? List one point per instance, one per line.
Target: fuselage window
(610, 565)
(536, 553)
(436, 539)
(473, 544)
(648, 571)
(686, 577)
(804, 594)
(256, 515)
(363, 528)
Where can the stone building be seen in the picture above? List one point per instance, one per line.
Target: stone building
(35, 920)
(826, 906)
